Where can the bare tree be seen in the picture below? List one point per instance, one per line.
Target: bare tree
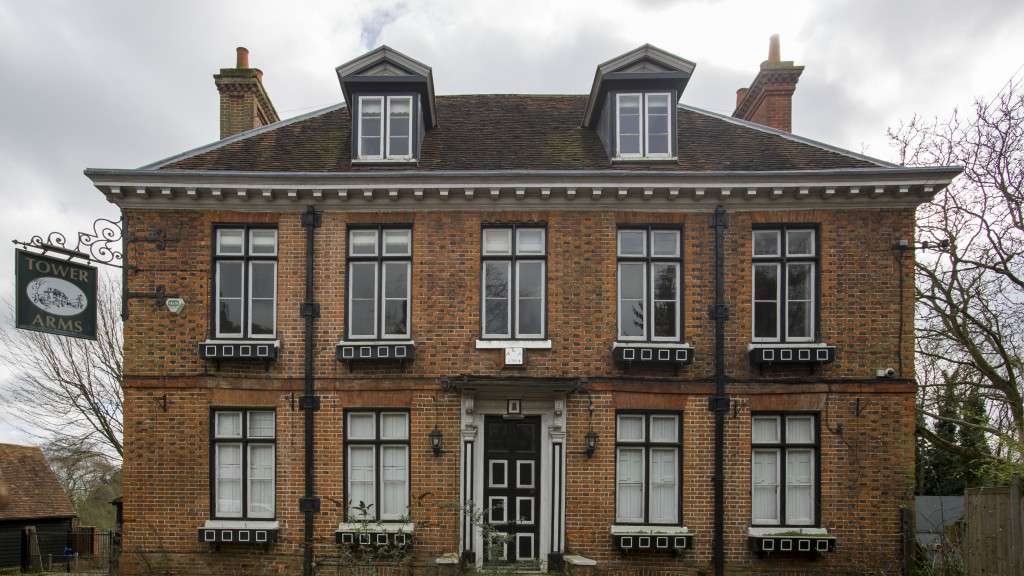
(970, 277)
(68, 391)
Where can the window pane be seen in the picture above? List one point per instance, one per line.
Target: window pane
(766, 310)
(261, 480)
(629, 124)
(263, 242)
(229, 479)
(394, 426)
(498, 241)
(262, 286)
(361, 478)
(229, 279)
(799, 487)
(362, 242)
(766, 278)
(399, 112)
(262, 318)
(362, 426)
(765, 430)
(664, 504)
(397, 242)
(530, 304)
(800, 296)
(371, 111)
(799, 429)
(657, 124)
(394, 478)
(530, 241)
(798, 320)
(631, 428)
(632, 243)
(765, 506)
(800, 242)
(798, 281)
(665, 287)
(262, 282)
(496, 298)
(631, 299)
(396, 279)
(766, 243)
(228, 424)
(362, 299)
(766, 316)
(396, 318)
(665, 243)
(664, 428)
(629, 485)
(229, 242)
(261, 425)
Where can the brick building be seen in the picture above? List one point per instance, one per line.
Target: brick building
(519, 329)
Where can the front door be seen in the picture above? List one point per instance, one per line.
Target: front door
(512, 488)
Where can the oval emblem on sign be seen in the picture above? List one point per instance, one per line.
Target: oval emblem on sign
(56, 296)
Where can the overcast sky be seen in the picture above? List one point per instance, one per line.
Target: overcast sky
(119, 84)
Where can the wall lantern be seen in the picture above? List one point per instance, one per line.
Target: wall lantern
(591, 443)
(435, 441)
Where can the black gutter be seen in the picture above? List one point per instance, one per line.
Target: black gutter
(719, 403)
(309, 504)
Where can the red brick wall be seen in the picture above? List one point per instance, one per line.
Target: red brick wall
(867, 455)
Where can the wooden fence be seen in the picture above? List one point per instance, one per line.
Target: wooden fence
(994, 542)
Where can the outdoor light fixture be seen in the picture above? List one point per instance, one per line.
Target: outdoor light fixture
(435, 441)
(591, 443)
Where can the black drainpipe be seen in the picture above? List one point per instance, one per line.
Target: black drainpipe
(719, 403)
(309, 504)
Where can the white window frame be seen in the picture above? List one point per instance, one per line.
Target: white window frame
(512, 260)
(383, 132)
(351, 282)
(251, 299)
(245, 258)
(647, 445)
(678, 302)
(244, 441)
(543, 297)
(643, 483)
(377, 443)
(385, 335)
(782, 259)
(483, 297)
(618, 124)
(754, 301)
(780, 449)
(621, 308)
(647, 261)
(387, 132)
(646, 123)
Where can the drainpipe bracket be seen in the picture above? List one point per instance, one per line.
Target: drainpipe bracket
(718, 404)
(309, 504)
(309, 403)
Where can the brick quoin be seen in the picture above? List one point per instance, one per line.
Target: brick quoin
(866, 428)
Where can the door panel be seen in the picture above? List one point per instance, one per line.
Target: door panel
(512, 487)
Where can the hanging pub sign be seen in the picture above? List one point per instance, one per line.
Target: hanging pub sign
(55, 296)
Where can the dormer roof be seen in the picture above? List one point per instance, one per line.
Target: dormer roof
(642, 65)
(385, 68)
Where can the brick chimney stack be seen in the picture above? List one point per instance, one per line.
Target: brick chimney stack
(769, 100)
(244, 103)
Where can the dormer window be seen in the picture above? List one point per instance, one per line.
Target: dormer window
(385, 127)
(642, 125)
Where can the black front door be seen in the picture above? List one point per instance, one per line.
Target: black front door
(512, 488)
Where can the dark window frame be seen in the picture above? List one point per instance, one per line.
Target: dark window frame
(782, 446)
(245, 441)
(377, 444)
(783, 260)
(648, 259)
(513, 258)
(245, 258)
(379, 260)
(647, 444)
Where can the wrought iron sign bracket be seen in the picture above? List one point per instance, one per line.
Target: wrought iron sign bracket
(97, 247)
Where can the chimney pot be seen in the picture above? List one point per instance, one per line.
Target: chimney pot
(242, 60)
(774, 52)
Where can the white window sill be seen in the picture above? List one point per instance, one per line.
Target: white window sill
(402, 342)
(377, 527)
(577, 560)
(763, 531)
(618, 159)
(501, 344)
(384, 161)
(649, 530)
(274, 343)
(242, 525)
(448, 559)
(649, 344)
(790, 344)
